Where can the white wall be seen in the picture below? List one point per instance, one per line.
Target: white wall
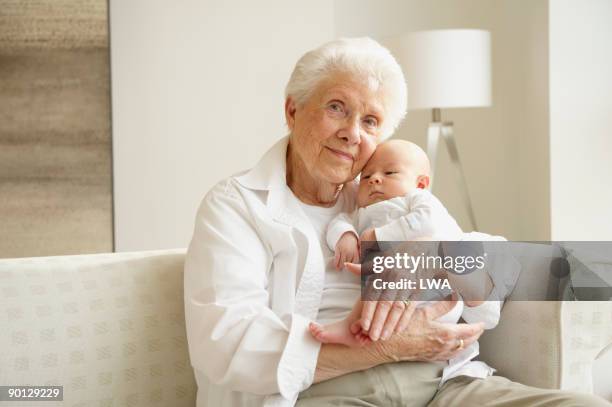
(504, 148)
(523, 84)
(581, 131)
(581, 119)
(197, 93)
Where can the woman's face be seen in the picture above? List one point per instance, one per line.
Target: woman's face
(336, 131)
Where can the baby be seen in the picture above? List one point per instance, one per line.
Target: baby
(394, 205)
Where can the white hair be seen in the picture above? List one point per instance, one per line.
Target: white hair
(362, 57)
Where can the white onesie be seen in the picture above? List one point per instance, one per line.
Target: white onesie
(415, 215)
(419, 214)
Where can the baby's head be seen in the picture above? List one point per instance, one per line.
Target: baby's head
(396, 168)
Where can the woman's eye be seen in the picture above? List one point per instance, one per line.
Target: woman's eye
(372, 122)
(336, 107)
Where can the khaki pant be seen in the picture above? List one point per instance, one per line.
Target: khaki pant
(416, 384)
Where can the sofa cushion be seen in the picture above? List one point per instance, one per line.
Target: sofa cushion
(110, 328)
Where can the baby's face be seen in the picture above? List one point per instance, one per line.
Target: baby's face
(388, 174)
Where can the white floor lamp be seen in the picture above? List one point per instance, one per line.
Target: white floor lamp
(446, 69)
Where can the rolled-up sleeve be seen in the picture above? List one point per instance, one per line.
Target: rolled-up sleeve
(233, 335)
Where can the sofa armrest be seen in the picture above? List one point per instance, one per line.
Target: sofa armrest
(586, 328)
(548, 344)
(526, 345)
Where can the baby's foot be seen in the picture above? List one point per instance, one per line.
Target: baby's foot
(339, 333)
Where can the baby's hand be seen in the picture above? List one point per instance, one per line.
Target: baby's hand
(347, 250)
(368, 235)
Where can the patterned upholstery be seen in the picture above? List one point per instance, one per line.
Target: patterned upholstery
(110, 328)
(549, 344)
(587, 337)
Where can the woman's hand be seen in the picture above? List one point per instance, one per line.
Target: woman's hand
(423, 340)
(428, 340)
(383, 316)
(388, 311)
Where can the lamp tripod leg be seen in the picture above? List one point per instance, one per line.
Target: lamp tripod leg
(449, 138)
(433, 141)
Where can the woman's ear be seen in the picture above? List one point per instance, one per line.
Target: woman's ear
(290, 112)
(423, 181)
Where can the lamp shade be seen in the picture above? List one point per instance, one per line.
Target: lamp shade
(446, 68)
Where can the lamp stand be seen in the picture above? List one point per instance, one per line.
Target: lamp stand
(439, 129)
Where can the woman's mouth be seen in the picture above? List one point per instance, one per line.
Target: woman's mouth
(341, 154)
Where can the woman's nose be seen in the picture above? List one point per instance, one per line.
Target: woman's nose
(350, 132)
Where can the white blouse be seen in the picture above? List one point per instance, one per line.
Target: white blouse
(254, 275)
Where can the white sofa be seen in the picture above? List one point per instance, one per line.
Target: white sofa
(110, 329)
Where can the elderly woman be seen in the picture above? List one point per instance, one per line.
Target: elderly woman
(257, 270)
